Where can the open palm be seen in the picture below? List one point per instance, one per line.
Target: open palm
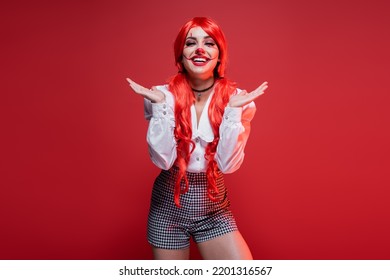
(244, 97)
(153, 94)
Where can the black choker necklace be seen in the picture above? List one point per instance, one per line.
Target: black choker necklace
(203, 90)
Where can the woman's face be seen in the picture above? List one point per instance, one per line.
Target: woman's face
(200, 54)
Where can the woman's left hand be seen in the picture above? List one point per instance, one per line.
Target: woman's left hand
(243, 98)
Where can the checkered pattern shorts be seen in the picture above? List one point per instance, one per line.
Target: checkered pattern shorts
(170, 227)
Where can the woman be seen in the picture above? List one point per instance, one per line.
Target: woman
(199, 125)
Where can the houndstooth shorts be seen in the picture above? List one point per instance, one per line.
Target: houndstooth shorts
(170, 227)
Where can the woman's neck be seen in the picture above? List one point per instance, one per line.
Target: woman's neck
(201, 84)
(202, 88)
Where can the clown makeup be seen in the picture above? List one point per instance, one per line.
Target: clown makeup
(200, 54)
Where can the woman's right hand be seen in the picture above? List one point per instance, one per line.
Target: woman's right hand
(154, 95)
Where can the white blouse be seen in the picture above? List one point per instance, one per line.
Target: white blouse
(233, 131)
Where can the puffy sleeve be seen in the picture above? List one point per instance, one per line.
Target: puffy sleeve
(160, 134)
(234, 132)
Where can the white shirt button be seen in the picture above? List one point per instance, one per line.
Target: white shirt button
(198, 158)
(197, 140)
(164, 112)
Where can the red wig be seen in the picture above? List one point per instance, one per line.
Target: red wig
(184, 98)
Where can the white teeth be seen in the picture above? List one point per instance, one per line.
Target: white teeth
(199, 60)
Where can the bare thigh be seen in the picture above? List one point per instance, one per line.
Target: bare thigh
(164, 254)
(230, 246)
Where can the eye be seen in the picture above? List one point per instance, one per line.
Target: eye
(210, 44)
(190, 43)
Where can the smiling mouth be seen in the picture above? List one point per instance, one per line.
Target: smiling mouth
(199, 61)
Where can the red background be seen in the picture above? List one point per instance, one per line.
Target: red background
(76, 177)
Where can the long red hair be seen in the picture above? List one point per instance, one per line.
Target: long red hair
(184, 99)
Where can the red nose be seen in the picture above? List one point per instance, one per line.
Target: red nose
(199, 50)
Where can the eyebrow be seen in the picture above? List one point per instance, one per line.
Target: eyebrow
(194, 38)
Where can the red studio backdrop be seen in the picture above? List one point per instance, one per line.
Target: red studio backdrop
(76, 176)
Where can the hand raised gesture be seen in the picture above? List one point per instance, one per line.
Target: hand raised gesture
(244, 97)
(154, 95)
